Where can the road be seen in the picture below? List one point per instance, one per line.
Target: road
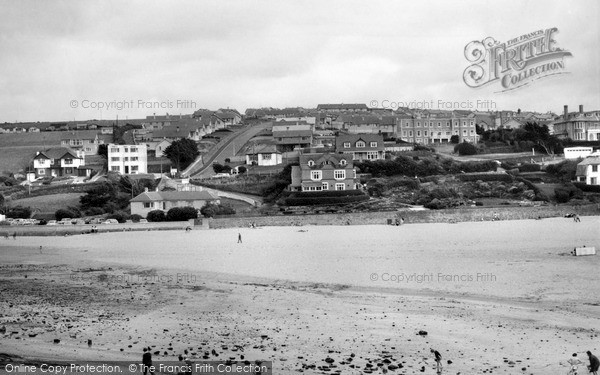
(228, 149)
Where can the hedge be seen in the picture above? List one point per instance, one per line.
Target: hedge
(585, 187)
(324, 200)
(326, 193)
(485, 177)
(527, 167)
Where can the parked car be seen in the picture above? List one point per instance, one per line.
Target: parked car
(143, 221)
(111, 221)
(51, 222)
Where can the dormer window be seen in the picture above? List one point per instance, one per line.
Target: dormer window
(360, 144)
(311, 163)
(373, 144)
(346, 144)
(343, 162)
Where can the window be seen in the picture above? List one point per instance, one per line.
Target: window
(404, 133)
(115, 168)
(439, 124)
(41, 171)
(134, 149)
(88, 149)
(419, 124)
(115, 158)
(134, 168)
(147, 205)
(325, 186)
(410, 133)
(418, 133)
(343, 162)
(311, 163)
(68, 161)
(266, 156)
(594, 168)
(114, 149)
(340, 186)
(372, 155)
(425, 133)
(126, 158)
(316, 175)
(373, 144)
(593, 181)
(126, 149)
(339, 174)
(346, 144)
(360, 144)
(133, 158)
(354, 172)
(68, 170)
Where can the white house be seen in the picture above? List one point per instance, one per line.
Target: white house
(128, 159)
(165, 200)
(266, 156)
(59, 161)
(588, 170)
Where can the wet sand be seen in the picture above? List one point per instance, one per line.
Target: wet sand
(492, 296)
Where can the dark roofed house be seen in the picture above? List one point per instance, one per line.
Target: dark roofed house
(318, 172)
(165, 200)
(361, 146)
(342, 108)
(264, 156)
(288, 140)
(58, 162)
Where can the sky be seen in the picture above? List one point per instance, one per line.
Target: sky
(64, 60)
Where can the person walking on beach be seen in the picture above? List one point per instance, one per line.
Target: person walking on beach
(14, 235)
(147, 361)
(239, 238)
(594, 363)
(438, 360)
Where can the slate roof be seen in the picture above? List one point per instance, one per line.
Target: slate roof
(56, 153)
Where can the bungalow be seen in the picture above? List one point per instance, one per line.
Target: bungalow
(165, 200)
(265, 156)
(361, 146)
(318, 172)
(59, 161)
(33, 129)
(588, 170)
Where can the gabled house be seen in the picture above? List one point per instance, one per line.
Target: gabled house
(288, 136)
(165, 200)
(82, 140)
(588, 171)
(264, 156)
(361, 146)
(58, 162)
(318, 172)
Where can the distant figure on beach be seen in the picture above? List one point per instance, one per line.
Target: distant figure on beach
(6, 235)
(187, 229)
(14, 235)
(40, 249)
(147, 360)
(594, 363)
(438, 360)
(576, 218)
(573, 363)
(496, 216)
(239, 238)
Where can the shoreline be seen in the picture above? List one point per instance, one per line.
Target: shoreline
(453, 215)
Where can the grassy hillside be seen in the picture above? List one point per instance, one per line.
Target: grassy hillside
(49, 203)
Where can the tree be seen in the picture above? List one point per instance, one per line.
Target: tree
(242, 169)
(99, 196)
(134, 187)
(182, 153)
(65, 213)
(218, 168)
(19, 212)
(454, 139)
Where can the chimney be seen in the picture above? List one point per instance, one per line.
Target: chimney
(566, 112)
(581, 108)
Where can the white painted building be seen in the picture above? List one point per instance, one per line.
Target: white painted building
(588, 171)
(127, 159)
(577, 152)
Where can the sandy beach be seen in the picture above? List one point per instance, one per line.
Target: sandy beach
(503, 297)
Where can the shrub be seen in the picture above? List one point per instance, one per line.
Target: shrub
(212, 210)
(465, 148)
(181, 214)
(562, 195)
(527, 167)
(585, 187)
(93, 211)
(156, 216)
(136, 218)
(454, 139)
(120, 216)
(485, 177)
(19, 212)
(242, 169)
(65, 213)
